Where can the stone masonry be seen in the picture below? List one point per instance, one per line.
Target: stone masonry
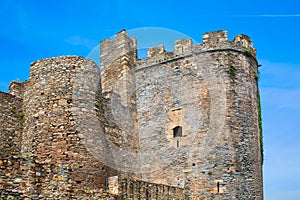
(176, 125)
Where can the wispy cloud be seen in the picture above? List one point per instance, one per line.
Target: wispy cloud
(271, 15)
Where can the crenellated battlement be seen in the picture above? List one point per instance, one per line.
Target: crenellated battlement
(212, 41)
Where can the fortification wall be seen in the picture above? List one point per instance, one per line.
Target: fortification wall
(25, 178)
(11, 123)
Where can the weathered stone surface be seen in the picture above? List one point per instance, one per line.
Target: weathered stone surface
(177, 125)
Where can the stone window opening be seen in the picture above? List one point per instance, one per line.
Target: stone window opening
(177, 131)
(218, 186)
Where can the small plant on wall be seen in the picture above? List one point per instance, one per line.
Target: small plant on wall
(232, 71)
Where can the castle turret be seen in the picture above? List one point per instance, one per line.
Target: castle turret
(117, 59)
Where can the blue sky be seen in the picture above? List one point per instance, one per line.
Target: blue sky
(32, 29)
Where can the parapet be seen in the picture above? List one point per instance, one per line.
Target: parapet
(121, 45)
(219, 40)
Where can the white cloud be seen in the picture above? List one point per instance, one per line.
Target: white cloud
(268, 15)
(293, 15)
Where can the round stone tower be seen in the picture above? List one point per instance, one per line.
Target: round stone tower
(61, 124)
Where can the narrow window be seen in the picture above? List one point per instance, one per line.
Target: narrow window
(178, 144)
(218, 185)
(177, 131)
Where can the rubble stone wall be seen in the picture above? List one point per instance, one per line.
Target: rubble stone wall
(11, 122)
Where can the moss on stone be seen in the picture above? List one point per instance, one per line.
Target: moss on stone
(260, 127)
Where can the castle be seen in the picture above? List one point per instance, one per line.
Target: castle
(177, 125)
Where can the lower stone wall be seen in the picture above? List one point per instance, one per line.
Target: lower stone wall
(24, 178)
(134, 189)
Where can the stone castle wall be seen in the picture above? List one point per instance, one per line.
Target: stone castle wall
(184, 122)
